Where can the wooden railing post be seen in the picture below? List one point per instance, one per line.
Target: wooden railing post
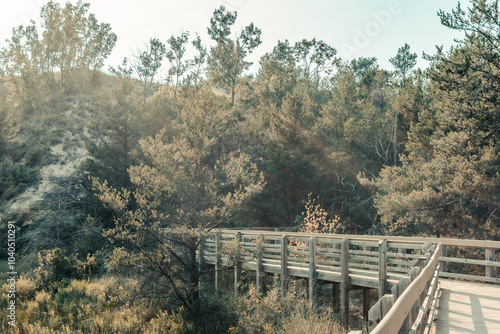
(422, 262)
(336, 296)
(336, 285)
(401, 251)
(258, 259)
(393, 320)
(490, 256)
(344, 283)
(366, 249)
(382, 267)
(237, 263)
(312, 269)
(444, 264)
(400, 287)
(397, 290)
(366, 303)
(218, 265)
(379, 310)
(413, 274)
(201, 259)
(284, 263)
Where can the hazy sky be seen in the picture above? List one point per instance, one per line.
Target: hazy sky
(368, 28)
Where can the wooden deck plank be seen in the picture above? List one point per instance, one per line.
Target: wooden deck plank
(466, 307)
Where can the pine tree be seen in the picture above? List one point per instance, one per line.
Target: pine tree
(193, 180)
(227, 59)
(448, 183)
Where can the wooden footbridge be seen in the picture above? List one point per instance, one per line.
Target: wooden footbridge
(405, 271)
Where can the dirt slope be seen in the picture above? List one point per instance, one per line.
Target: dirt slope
(69, 152)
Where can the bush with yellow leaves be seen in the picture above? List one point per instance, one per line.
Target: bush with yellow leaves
(316, 218)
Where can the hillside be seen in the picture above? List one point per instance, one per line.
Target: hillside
(68, 152)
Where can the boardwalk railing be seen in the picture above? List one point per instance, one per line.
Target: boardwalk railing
(347, 262)
(404, 270)
(475, 260)
(410, 307)
(468, 262)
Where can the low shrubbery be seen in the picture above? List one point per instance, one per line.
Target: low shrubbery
(113, 304)
(290, 313)
(14, 177)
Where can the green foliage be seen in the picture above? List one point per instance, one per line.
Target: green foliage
(100, 306)
(278, 73)
(4, 269)
(448, 181)
(227, 59)
(316, 59)
(276, 313)
(147, 63)
(190, 182)
(73, 38)
(175, 54)
(70, 39)
(114, 146)
(14, 177)
(69, 47)
(91, 241)
(9, 127)
(198, 62)
(404, 61)
(56, 223)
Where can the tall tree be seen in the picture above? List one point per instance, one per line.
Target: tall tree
(175, 55)
(193, 182)
(448, 183)
(227, 59)
(73, 38)
(278, 73)
(147, 63)
(114, 147)
(357, 113)
(404, 61)
(316, 59)
(186, 72)
(199, 62)
(70, 39)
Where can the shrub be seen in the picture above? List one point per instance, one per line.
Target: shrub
(290, 313)
(14, 177)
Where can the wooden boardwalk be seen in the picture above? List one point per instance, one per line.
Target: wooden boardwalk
(406, 271)
(468, 308)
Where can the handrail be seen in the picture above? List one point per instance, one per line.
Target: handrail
(324, 235)
(490, 248)
(391, 323)
(444, 241)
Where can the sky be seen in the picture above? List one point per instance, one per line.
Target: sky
(356, 28)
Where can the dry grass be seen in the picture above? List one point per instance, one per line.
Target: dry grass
(112, 305)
